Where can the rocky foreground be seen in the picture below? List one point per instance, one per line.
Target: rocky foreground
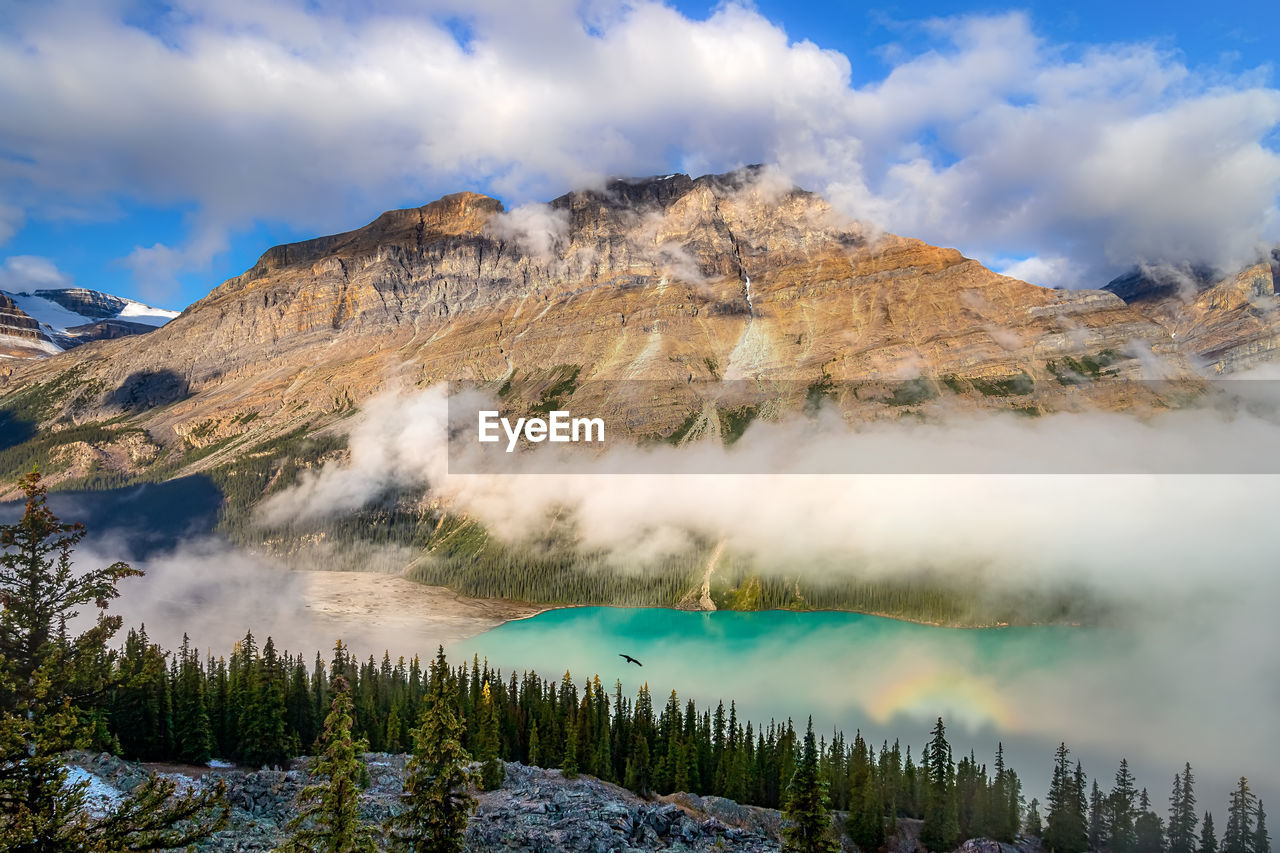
(536, 810)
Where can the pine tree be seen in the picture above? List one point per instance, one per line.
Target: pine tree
(1097, 818)
(1149, 829)
(329, 820)
(682, 778)
(300, 713)
(219, 695)
(264, 737)
(141, 702)
(391, 740)
(1121, 802)
(1208, 840)
(806, 821)
(569, 764)
(1012, 811)
(1080, 809)
(941, 827)
(637, 775)
(1261, 838)
(437, 801)
(1003, 821)
(492, 770)
(1182, 813)
(48, 700)
(866, 819)
(535, 745)
(1066, 826)
(602, 755)
(193, 735)
(1238, 837)
(1034, 825)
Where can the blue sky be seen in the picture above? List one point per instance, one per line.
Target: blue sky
(154, 150)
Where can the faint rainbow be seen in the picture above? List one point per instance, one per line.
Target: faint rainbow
(958, 696)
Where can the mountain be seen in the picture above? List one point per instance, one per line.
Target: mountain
(669, 279)
(634, 301)
(674, 280)
(1225, 325)
(20, 334)
(47, 322)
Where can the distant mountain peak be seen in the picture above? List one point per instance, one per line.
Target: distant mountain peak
(46, 322)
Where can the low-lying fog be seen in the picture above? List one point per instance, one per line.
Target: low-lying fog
(1190, 560)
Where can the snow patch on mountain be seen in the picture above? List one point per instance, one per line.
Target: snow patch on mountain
(46, 322)
(26, 347)
(55, 318)
(140, 313)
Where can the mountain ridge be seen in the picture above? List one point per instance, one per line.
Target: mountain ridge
(46, 322)
(1226, 323)
(671, 279)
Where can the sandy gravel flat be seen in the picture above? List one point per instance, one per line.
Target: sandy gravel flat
(378, 610)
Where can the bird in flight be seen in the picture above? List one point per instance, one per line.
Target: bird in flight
(630, 659)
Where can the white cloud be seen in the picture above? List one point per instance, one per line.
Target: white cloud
(994, 140)
(764, 496)
(537, 227)
(156, 268)
(11, 220)
(1044, 271)
(1191, 573)
(24, 273)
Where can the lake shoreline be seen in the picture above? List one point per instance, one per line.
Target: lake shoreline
(539, 609)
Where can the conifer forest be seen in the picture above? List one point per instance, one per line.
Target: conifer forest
(258, 705)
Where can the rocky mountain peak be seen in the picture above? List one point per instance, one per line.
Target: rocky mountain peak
(86, 303)
(1223, 323)
(458, 214)
(46, 322)
(659, 191)
(670, 279)
(1152, 284)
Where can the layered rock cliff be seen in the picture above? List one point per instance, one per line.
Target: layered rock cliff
(1223, 326)
(670, 279)
(46, 322)
(20, 333)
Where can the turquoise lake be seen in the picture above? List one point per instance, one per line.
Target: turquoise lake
(837, 666)
(1106, 692)
(887, 677)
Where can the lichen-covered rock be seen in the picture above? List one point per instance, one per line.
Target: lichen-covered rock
(535, 809)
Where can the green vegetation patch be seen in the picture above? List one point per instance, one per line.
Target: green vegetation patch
(37, 402)
(1017, 385)
(41, 449)
(823, 389)
(922, 597)
(463, 557)
(264, 469)
(912, 392)
(565, 382)
(678, 434)
(734, 422)
(1072, 371)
